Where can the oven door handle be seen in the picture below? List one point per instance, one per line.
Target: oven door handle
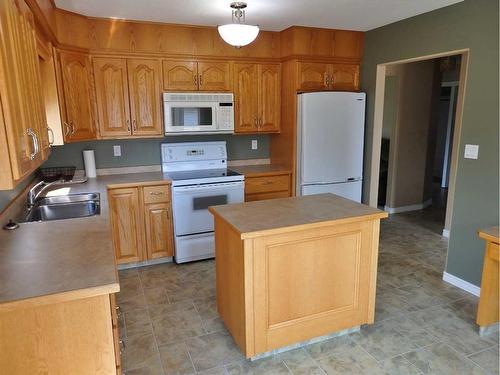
(208, 187)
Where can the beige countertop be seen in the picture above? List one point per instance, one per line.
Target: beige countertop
(63, 259)
(261, 170)
(490, 234)
(254, 219)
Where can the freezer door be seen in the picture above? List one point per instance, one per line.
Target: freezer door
(331, 134)
(349, 190)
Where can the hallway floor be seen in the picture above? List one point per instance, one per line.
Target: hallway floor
(423, 325)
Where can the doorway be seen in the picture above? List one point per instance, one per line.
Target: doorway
(417, 120)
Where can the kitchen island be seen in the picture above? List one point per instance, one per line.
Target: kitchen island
(295, 269)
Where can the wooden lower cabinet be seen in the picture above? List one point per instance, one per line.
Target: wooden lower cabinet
(141, 222)
(126, 224)
(488, 308)
(59, 337)
(159, 238)
(267, 187)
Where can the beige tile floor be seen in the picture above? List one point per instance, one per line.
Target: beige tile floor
(423, 326)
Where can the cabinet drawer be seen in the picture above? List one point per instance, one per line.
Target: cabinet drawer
(264, 196)
(267, 184)
(156, 194)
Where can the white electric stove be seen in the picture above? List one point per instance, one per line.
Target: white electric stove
(200, 179)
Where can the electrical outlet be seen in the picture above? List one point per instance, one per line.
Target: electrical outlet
(254, 144)
(117, 150)
(471, 151)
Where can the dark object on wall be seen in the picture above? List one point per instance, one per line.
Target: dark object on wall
(384, 170)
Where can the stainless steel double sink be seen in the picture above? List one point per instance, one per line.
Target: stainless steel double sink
(65, 207)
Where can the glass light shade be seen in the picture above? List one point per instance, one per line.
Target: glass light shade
(237, 34)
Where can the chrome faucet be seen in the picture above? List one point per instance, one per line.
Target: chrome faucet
(42, 185)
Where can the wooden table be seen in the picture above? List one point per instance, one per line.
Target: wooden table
(293, 269)
(487, 312)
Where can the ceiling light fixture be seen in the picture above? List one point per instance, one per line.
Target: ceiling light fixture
(237, 33)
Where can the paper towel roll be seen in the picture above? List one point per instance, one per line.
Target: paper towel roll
(89, 161)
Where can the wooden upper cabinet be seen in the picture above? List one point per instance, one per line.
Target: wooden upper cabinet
(111, 86)
(158, 230)
(246, 94)
(214, 76)
(345, 77)
(321, 76)
(23, 133)
(79, 100)
(270, 97)
(126, 223)
(144, 85)
(313, 76)
(186, 75)
(180, 75)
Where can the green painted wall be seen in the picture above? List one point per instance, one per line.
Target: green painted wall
(147, 151)
(470, 24)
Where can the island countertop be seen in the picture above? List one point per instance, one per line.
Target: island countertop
(44, 262)
(253, 219)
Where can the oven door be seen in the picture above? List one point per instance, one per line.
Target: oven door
(190, 203)
(196, 117)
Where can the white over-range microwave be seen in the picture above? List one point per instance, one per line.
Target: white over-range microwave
(198, 113)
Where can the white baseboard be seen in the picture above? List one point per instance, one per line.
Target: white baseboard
(412, 207)
(462, 284)
(446, 233)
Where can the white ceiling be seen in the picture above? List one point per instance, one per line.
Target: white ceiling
(275, 15)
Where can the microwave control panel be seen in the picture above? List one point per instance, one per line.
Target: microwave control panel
(225, 116)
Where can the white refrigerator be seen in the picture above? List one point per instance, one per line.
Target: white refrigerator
(330, 140)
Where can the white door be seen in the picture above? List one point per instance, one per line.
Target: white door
(331, 136)
(349, 190)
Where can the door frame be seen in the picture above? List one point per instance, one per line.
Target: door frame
(378, 119)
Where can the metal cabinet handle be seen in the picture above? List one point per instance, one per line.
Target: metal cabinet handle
(325, 79)
(332, 81)
(196, 79)
(68, 128)
(201, 80)
(50, 133)
(122, 346)
(31, 133)
(37, 144)
(156, 193)
(72, 127)
(134, 125)
(128, 125)
(256, 122)
(118, 311)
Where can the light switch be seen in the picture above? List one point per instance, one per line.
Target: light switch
(254, 144)
(117, 150)
(471, 151)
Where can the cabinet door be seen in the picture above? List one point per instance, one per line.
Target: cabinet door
(36, 109)
(15, 101)
(180, 75)
(126, 224)
(214, 76)
(79, 97)
(158, 230)
(345, 77)
(246, 103)
(313, 76)
(145, 96)
(270, 97)
(112, 96)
